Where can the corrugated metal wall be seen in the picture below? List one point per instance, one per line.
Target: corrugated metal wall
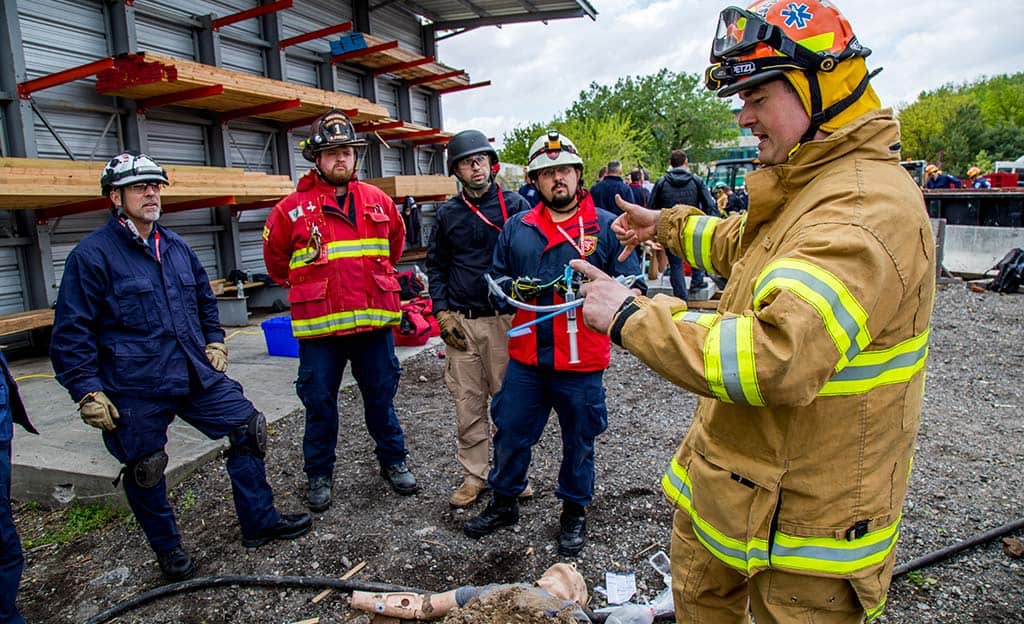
(59, 34)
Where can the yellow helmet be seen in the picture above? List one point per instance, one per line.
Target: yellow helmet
(973, 172)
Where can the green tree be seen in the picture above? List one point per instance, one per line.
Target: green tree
(673, 110)
(516, 143)
(598, 140)
(956, 126)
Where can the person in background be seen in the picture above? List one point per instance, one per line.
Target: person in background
(722, 195)
(976, 180)
(636, 184)
(12, 410)
(790, 483)
(137, 342)
(528, 190)
(529, 263)
(459, 252)
(935, 178)
(334, 244)
(603, 193)
(680, 186)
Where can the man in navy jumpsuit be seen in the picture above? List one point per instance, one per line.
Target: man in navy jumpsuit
(12, 410)
(531, 254)
(137, 341)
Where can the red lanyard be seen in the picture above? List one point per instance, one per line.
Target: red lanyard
(577, 247)
(476, 211)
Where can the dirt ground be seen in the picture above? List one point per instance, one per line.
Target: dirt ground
(967, 478)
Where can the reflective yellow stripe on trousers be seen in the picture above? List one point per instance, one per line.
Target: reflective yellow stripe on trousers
(343, 249)
(804, 554)
(340, 321)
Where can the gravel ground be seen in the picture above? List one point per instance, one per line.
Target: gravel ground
(966, 479)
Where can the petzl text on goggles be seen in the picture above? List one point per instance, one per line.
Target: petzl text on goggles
(740, 32)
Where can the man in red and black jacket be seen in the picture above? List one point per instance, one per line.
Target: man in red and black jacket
(334, 244)
(531, 255)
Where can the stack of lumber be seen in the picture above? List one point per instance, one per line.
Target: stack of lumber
(422, 188)
(394, 56)
(406, 132)
(34, 183)
(147, 75)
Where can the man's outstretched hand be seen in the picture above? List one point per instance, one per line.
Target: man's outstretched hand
(635, 225)
(602, 296)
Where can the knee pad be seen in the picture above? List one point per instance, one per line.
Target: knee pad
(147, 471)
(250, 438)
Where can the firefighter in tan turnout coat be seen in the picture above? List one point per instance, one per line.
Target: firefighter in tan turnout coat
(790, 483)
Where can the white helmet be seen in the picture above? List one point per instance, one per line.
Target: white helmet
(130, 168)
(552, 150)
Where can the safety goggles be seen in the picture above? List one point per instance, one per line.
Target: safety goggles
(740, 32)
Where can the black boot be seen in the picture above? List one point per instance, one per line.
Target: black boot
(573, 532)
(501, 511)
(318, 496)
(176, 564)
(289, 526)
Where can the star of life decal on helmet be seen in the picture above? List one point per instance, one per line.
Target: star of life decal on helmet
(797, 15)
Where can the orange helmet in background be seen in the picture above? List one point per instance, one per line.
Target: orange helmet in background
(930, 169)
(973, 172)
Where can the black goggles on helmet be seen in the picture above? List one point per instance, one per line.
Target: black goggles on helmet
(740, 32)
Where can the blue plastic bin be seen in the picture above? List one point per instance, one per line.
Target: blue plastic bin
(278, 333)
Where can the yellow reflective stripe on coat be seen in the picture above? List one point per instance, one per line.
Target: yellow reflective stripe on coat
(343, 249)
(831, 555)
(843, 316)
(339, 321)
(872, 614)
(729, 361)
(697, 235)
(871, 369)
(826, 555)
(705, 319)
(746, 556)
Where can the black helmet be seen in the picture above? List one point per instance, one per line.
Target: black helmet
(332, 129)
(467, 143)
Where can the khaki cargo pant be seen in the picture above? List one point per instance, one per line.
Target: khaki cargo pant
(706, 591)
(473, 377)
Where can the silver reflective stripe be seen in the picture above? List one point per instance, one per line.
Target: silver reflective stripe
(730, 360)
(853, 372)
(696, 244)
(842, 315)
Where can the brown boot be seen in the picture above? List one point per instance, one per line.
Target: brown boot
(468, 492)
(527, 493)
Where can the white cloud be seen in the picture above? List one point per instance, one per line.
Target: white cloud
(537, 71)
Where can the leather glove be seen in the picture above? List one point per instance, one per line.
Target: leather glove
(217, 353)
(98, 411)
(451, 330)
(525, 288)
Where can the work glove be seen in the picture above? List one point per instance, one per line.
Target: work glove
(526, 288)
(217, 353)
(451, 330)
(98, 411)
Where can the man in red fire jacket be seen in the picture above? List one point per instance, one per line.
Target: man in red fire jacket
(334, 243)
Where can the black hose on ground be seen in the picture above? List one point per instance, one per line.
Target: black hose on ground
(942, 553)
(206, 582)
(323, 582)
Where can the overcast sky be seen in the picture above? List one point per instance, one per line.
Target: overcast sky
(536, 70)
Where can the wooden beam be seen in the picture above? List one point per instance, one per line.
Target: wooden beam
(390, 69)
(435, 78)
(262, 109)
(25, 321)
(389, 45)
(181, 96)
(377, 127)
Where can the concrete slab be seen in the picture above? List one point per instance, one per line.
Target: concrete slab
(974, 249)
(68, 461)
